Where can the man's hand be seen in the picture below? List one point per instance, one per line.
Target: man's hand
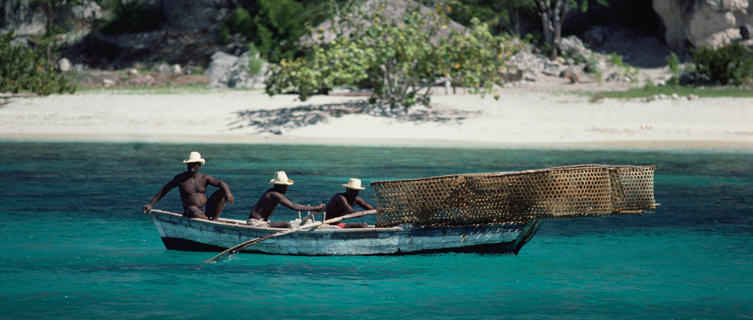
(319, 208)
(147, 208)
(230, 197)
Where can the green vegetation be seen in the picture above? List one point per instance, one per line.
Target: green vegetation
(275, 26)
(626, 70)
(254, 62)
(730, 64)
(155, 90)
(592, 68)
(502, 16)
(400, 58)
(650, 91)
(673, 62)
(24, 69)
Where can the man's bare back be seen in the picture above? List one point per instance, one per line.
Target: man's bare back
(267, 203)
(342, 203)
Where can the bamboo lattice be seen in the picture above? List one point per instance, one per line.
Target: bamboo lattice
(511, 197)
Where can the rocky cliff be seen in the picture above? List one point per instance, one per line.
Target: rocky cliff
(703, 23)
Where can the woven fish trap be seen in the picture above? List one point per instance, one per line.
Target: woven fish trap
(514, 197)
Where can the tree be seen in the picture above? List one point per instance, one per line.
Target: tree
(553, 13)
(399, 56)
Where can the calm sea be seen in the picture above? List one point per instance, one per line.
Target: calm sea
(76, 246)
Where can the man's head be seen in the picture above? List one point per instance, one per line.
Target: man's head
(193, 162)
(353, 186)
(193, 167)
(281, 181)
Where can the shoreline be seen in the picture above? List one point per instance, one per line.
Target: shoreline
(521, 119)
(646, 145)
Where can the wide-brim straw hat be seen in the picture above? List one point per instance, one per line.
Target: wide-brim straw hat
(281, 178)
(194, 157)
(354, 184)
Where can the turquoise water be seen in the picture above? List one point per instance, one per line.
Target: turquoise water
(75, 245)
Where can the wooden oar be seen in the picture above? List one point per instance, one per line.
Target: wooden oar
(238, 247)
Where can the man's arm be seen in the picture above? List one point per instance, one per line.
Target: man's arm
(281, 199)
(363, 204)
(221, 184)
(343, 202)
(161, 193)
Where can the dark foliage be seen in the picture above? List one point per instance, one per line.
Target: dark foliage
(134, 16)
(274, 26)
(730, 64)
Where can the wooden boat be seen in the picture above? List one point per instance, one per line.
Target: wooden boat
(188, 234)
(495, 212)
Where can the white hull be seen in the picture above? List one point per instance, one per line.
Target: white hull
(180, 233)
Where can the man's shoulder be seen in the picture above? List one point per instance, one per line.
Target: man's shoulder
(272, 193)
(180, 176)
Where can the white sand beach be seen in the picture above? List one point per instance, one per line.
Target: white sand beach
(520, 118)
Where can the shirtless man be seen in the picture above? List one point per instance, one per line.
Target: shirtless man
(343, 203)
(192, 186)
(259, 216)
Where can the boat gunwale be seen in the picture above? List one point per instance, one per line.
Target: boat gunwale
(240, 224)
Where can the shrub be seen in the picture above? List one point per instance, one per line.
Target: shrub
(26, 69)
(400, 58)
(592, 67)
(730, 64)
(625, 69)
(673, 62)
(224, 35)
(275, 26)
(254, 62)
(241, 21)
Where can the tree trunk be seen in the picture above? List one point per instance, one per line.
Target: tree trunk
(515, 20)
(552, 19)
(545, 11)
(560, 13)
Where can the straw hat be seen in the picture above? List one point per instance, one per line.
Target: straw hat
(354, 184)
(281, 178)
(194, 157)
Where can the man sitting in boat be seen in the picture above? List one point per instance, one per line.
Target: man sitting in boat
(259, 216)
(192, 186)
(342, 203)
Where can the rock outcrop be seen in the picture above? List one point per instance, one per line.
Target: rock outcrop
(21, 17)
(229, 71)
(703, 23)
(191, 15)
(27, 17)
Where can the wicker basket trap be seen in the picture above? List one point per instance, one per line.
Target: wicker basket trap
(512, 197)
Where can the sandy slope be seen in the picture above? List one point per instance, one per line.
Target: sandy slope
(519, 118)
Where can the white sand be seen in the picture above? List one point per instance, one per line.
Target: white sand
(519, 118)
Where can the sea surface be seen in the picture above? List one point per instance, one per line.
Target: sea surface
(75, 244)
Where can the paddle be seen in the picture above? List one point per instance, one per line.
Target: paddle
(238, 247)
